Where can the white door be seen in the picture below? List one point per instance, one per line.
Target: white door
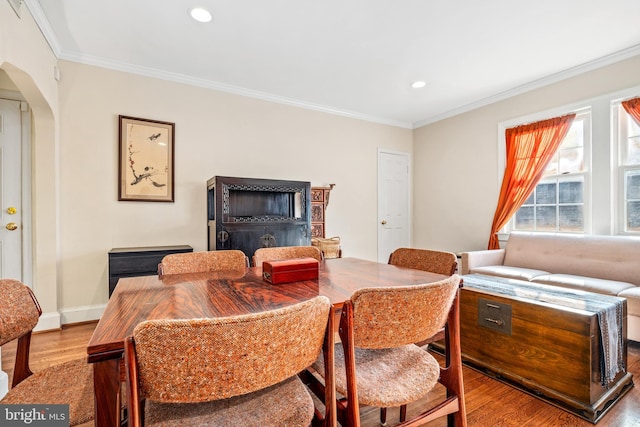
(10, 190)
(12, 130)
(393, 203)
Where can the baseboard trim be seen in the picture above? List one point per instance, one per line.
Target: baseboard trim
(48, 321)
(81, 314)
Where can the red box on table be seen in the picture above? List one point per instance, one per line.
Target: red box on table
(290, 270)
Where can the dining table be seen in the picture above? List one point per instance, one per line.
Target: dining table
(216, 294)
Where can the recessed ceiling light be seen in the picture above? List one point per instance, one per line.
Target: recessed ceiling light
(418, 84)
(200, 14)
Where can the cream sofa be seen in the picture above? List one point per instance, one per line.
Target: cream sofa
(602, 264)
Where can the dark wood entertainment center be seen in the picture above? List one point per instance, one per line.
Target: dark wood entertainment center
(251, 213)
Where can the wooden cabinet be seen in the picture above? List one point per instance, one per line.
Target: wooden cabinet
(140, 261)
(319, 203)
(250, 213)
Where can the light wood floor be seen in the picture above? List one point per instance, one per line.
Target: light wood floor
(489, 402)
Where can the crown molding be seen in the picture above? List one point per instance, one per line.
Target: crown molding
(45, 27)
(536, 84)
(43, 23)
(209, 84)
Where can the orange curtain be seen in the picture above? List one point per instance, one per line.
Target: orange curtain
(530, 148)
(632, 106)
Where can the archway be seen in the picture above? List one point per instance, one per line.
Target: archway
(42, 240)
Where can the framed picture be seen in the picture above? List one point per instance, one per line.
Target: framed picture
(145, 167)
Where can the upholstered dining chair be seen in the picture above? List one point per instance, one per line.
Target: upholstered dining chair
(196, 262)
(228, 371)
(285, 252)
(440, 262)
(377, 363)
(66, 383)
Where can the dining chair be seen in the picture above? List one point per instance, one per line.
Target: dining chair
(66, 383)
(440, 262)
(285, 252)
(196, 262)
(376, 361)
(229, 371)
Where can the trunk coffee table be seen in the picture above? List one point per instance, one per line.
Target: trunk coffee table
(563, 346)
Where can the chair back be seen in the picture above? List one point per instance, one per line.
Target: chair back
(196, 262)
(198, 360)
(396, 316)
(440, 262)
(19, 310)
(285, 252)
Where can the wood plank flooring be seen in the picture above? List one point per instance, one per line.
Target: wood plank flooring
(489, 402)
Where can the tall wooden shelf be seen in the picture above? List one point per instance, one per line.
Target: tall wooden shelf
(319, 203)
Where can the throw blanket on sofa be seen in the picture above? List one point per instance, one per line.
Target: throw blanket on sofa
(609, 311)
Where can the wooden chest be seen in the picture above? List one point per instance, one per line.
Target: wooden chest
(547, 349)
(291, 270)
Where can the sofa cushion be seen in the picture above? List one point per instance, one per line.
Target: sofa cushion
(633, 300)
(589, 284)
(508, 272)
(604, 257)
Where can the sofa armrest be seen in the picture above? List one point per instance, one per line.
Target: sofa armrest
(481, 258)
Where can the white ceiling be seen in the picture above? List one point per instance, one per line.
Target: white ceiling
(351, 57)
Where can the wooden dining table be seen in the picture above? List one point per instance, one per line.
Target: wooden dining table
(216, 294)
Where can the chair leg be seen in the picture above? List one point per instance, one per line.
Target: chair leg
(452, 377)
(383, 416)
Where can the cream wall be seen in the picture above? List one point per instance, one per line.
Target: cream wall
(216, 134)
(456, 181)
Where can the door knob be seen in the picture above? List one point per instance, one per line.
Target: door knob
(384, 221)
(11, 210)
(12, 226)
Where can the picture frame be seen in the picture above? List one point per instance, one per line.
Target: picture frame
(146, 160)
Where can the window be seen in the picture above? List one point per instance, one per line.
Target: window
(558, 203)
(593, 184)
(629, 170)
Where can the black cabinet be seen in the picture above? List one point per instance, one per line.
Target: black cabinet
(251, 213)
(142, 261)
